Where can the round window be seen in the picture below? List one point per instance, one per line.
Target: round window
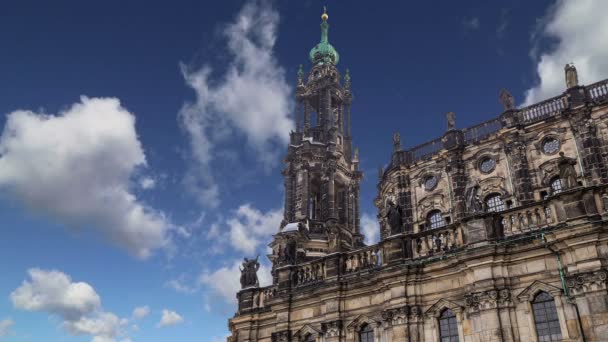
(487, 165)
(550, 145)
(430, 183)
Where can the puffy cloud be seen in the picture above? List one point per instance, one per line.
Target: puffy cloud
(76, 303)
(103, 326)
(5, 326)
(370, 228)
(575, 26)
(170, 318)
(249, 227)
(76, 167)
(252, 98)
(54, 292)
(141, 312)
(225, 281)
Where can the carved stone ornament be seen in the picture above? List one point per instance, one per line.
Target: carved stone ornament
(281, 336)
(397, 141)
(506, 99)
(473, 199)
(451, 119)
(396, 316)
(587, 282)
(571, 76)
(331, 329)
(486, 300)
(249, 277)
(567, 172)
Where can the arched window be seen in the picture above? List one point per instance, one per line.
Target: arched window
(366, 334)
(556, 185)
(494, 203)
(545, 318)
(448, 328)
(309, 338)
(435, 219)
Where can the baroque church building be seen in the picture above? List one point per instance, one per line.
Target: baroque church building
(496, 232)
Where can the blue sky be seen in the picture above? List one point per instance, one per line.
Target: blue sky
(141, 147)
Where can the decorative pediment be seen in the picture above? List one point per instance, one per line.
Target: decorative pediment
(528, 294)
(489, 152)
(493, 185)
(436, 309)
(432, 201)
(305, 331)
(549, 169)
(357, 323)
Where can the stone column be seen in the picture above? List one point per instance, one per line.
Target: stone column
(289, 196)
(304, 193)
(348, 120)
(590, 150)
(331, 196)
(405, 202)
(520, 170)
(456, 171)
(306, 116)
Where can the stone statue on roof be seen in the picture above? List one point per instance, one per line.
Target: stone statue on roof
(571, 75)
(507, 100)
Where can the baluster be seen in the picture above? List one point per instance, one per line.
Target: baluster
(548, 215)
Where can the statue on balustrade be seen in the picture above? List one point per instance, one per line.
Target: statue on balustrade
(393, 216)
(571, 76)
(397, 141)
(507, 100)
(249, 273)
(473, 200)
(290, 251)
(567, 173)
(451, 118)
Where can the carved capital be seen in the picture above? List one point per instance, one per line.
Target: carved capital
(487, 300)
(582, 283)
(331, 329)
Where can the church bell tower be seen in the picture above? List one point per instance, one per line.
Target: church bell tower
(321, 169)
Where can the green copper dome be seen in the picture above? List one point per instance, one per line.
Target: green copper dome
(323, 52)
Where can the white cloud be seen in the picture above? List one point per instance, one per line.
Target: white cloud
(251, 98)
(249, 227)
(577, 26)
(180, 287)
(225, 281)
(370, 229)
(5, 326)
(141, 312)
(54, 292)
(147, 183)
(170, 318)
(76, 303)
(103, 326)
(75, 167)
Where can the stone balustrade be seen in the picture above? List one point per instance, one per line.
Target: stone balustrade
(307, 273)
(437, 241)
(520, 220)
(362, 259)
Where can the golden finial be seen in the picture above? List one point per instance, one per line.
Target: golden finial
(324, 16)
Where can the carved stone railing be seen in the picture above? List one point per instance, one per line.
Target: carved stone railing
(437, 241)
(598, 92)
(542, 110)
(307, 273)
(520, 220)
(426, 150)
(363, 259)
(481, 131)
